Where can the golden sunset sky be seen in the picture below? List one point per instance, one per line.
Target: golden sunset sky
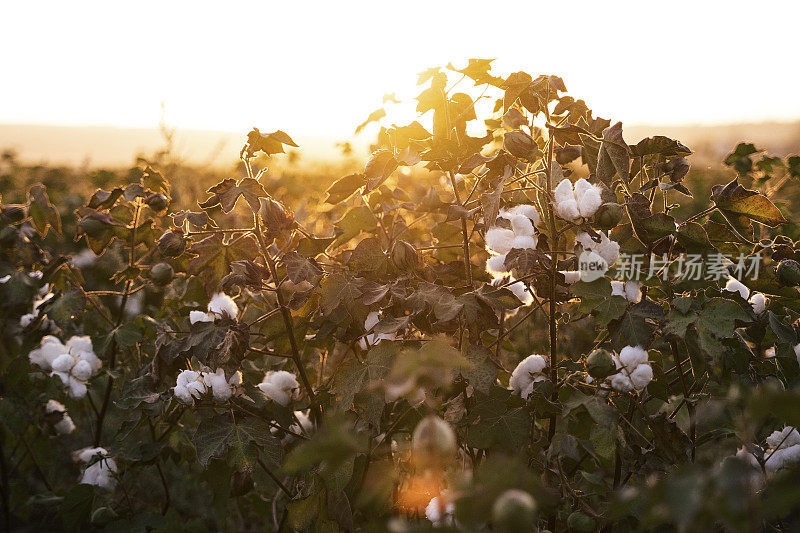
(319, 68)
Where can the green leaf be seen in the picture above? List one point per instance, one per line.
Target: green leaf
(218, 434)
(495, 423)
(65, 308)
(43, 214)
(357, 219)
(482, 373)
(354, 376)
(614, 156)
(227, 192)
(76, 507)
(343, 188)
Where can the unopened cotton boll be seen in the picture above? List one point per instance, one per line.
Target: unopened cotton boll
(433, 442)
(499, 240)
(223, 305)
(734, 285)
(630, 356)
(527, 372)
(759, 303)
(524, 242)
(199, 316)
(521, 225)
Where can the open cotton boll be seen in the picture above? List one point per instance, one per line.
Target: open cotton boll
(188, 386)
(65, 426)
(606, 248)
(521, 225)
(568, 210)
(630, 290)
(641, 376)
(523, 242)
(621, 383)
(630, 356)
(564, 191)
(521, 292)
(221, 387)
(280, 386)
(305, 423)
(79, 344)
(499, 240)
(734, 285)
(527, 211)
(589, 202)
(199, 316)
(76, 388)
(100, 473)
(781, 457)
(47, 352)
(759, 302)
(527, 372)
(571, 276)
(63, 363)
(495, 265)
(82, 370)
(438, 512)
(783, 438)
(221, 304)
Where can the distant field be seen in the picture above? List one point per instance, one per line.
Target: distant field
(104, 146)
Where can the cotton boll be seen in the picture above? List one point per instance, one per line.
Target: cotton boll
(78, 344)
(63, 363)
(564, 191)
(617, 288)
(94, 362)
(608, 249)
(495, 265)
(523, 242)
(65, 426)
(521, 292)
(101, 474)
(784, 438)
(589, 202)
(305, 423)
(221, 304)
(54, 406)
(526, 373)
(77, 388)
(621, 383)
(630, 356)
(199, 316)
(633, 291)
(438, 512)
(499, 240)
(734, 285)
(280, 386)
(528, 211)
(82, 370)
(759, 303)
(219, 385)
(188, 386)
(5, 278)
(521, 225)
(641, 376)
(568, 210)
(581, 187)
(769, 353)
(182, 394)
(26, 320)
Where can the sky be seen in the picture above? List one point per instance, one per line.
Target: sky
(319, 68)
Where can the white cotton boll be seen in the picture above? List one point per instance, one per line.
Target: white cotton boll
(94, 362)
(608, 249)
(618, 288)
(589, 202)
(101, 474)
(188, 386)
(5, 278)
(199, 316)
(182, 394)
(571, 276)
(564, 191)
(26, 320)
(621, 383)
(580, 187)
(82, 370)
(630, 356)
(641, 376)
(784, 438)
(77, 388)
(79, 344)
(51, 351)
(65, 426)
(782, 457)
(527, 372)
(438, 512)
(63, 363)
(521, 225)
(499, 240)
(734, 285)
(280, 386)
(568, 210)
(495, 265)
(84, 455)
(759, 303)
(305, 423)
(528, 211)
(521, 292)
(219, 385)
(54, 406)
(633, 291)
(523, 242)
(221, 304)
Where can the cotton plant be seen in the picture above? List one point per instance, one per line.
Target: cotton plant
(529, 371)
(280, 386)
(574, 202)
(192, 385)
(522, 221)
(634, 370)
(74, 362)
(64, 425)
(757, 300)
(100, 473)
(221, 305)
